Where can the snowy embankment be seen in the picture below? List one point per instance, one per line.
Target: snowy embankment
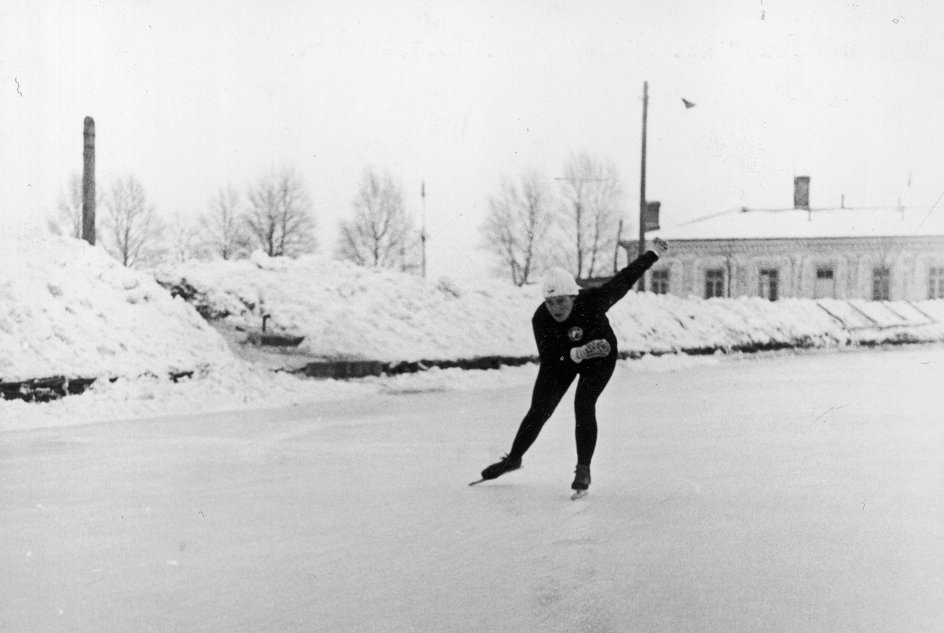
(69, 309)
(70, 315)
(350, 312)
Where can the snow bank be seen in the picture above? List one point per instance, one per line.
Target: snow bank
(234, 387)
(351, 312)
(67, 308)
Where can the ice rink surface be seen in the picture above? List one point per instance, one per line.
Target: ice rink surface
(776, 493)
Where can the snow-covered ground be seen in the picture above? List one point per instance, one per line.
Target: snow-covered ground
(778, 492)
(68, 309)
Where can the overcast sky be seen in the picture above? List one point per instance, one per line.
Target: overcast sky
(192, 95)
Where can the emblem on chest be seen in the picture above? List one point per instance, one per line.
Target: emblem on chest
(575, 333)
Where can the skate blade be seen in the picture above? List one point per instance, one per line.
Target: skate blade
(579, 494)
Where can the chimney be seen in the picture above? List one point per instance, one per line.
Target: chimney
(88, 182)
(801, 192)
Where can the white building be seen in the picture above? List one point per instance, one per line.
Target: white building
(842, 253)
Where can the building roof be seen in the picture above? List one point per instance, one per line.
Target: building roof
(819, 223)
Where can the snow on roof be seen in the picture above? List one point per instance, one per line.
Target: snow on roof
(819, 223)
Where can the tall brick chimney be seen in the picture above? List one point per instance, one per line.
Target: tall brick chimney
(801, 192)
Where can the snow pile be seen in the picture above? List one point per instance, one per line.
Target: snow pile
(346, 311)
(236, 386)
(352, 312)
(69, 309)
(664, 323)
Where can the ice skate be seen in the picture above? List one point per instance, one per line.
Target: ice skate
(499, 468)
(581, 481)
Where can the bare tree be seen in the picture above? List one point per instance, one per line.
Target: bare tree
(182, 239)
(68, 218)
(132, 228)
(591, 189)
(517, 226)
(380, 233)
(280, 215)
(223, 226)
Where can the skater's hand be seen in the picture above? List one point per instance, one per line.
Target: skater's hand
(597, 348)
(659, 246)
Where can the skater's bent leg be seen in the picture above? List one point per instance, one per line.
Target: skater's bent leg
(549, 387)
(591, 384)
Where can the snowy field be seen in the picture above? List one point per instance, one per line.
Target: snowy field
(778, 492)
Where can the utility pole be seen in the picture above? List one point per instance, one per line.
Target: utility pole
(88, 182)
(619, 234)
(642, 183)
(423, 230)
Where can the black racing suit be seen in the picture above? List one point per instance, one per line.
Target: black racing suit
(587, 321)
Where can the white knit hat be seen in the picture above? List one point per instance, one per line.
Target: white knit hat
(558, 282)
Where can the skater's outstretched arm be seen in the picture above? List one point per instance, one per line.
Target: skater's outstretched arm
(621, 283)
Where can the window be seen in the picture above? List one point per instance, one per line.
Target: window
(660, 281)
(881, 290)
(936, 283)
(769, 284)
(714, 283)
(825, 285)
